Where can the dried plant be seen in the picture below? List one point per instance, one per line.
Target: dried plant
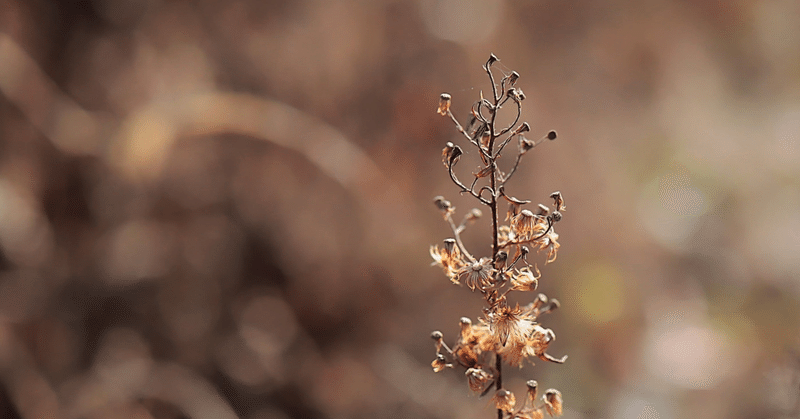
(505, 333)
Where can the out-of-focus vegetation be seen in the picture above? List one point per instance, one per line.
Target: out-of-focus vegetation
(220, 209)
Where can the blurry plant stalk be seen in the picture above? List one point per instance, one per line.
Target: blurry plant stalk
(505, 334)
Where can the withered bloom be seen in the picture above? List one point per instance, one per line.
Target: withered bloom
(553, 402)
(477, 274)
(525, 280)
(540, 339)
(444, 104)
(504, 400)
(523, 223)
(478, 378)
(508, 325)
(449, 258)
(440, 363)
(557, 198)
(529, 409)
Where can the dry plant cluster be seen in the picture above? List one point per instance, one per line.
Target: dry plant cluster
(505, 333)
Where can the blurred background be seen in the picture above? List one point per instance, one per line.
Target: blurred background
(220, 209)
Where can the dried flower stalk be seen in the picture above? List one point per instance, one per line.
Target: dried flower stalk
(506, 333)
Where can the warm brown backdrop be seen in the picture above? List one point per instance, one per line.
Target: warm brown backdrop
(220, 209)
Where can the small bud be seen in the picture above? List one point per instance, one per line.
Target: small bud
(554, 304)
(504, 400)
(449, 245)
(553, 402)
(492, 59)
(444, 104)
(513, 210)
(524, 250)
(556, 217)
(437, 335)
(485, 137)
(474, 214)
(465, 321)
(500, 259)
(522, 128)
(551, 135)
(525, 145)
(454, 155)
(446, 151)
(442, 204)
(532, 388)
(543, 210)
(540, 301)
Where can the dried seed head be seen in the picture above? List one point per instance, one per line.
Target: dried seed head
(465, 321)
(556, 217)
(477, 378)
(504, 400)
(444, 104)
(437, 335)
(553, 402)
(477, 274)
(513, 77)
(551, 135)
(523, 223)
(449, 245)
(518, 95)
